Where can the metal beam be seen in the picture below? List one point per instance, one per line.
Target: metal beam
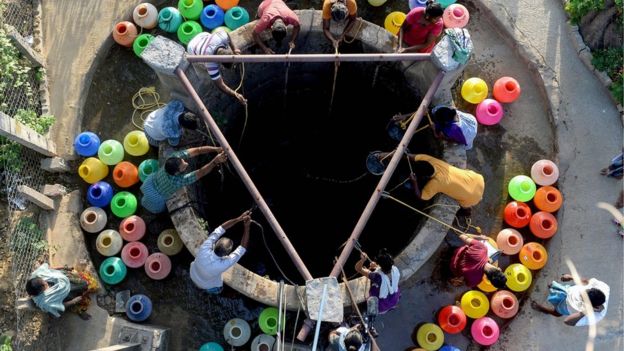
(249, 184)
(309, 58)
(383, 182)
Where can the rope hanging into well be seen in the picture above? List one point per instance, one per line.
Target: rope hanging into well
(336, 65)
(240, 85)
(145, 101)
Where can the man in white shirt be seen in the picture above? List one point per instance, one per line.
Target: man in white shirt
(215, 255)
(567, 300)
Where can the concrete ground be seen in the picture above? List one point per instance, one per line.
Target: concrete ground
(588, 131)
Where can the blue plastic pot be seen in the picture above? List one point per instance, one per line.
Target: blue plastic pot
(236, 17)
(169, 19)
(211, 346)
(86, 144)
(100, 194)
(212, 17)
(139, 308)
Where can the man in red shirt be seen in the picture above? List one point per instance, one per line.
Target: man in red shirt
(277, 15)
(421, 28)
(471, 261)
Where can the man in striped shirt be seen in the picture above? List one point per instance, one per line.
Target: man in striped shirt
(217, 43)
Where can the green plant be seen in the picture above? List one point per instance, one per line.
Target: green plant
(28, 237)
(5, 343)
(13, 68)
(611, 61)
(579, 8)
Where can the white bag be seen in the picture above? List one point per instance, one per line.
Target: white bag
(453, 50)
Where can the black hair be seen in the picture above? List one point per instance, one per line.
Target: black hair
(596, 297)
(423, 169)
(225, 50)
(188, 120)
(279, 31)
(496, 277)
(172, 165)
(445, 114)
(433, 9)
(339, 11)
(353, 340)
(384, 260)
(35, 286)
(223, 247)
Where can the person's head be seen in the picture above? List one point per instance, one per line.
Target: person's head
(188, 120)
(223, 247)
(353, 340)
(445, 115)
(35, 286)
(384, 260)
(278, 30)
(496, 276)
(596, 297)
(433, 11)
(339, 11)
(175, 165)
(225, 50)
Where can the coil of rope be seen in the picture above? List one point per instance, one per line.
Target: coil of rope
(145, 101)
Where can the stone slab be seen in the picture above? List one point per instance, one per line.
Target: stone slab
(55, 165)
(54, 190)
(164, 56)
(26, 136)
(36, 197)
(333, 306)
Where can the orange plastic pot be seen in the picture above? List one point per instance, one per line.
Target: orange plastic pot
(452, 319)
(125, 174)
(534, 256)
(548, 199)
(543, 225)
(124, 33)
(506, 90)
(517, 214)
(509, 241)
(504, 304)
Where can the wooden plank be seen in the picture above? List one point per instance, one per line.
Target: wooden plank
(24, 135)
(36, 197)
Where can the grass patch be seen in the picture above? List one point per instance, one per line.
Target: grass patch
(611, 61)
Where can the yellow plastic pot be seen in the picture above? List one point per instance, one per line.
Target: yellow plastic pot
(169, 242)
(475, 304)
(474, 90)
(135, 143)
(430, 337)
(519, 277)
(486, 285)
(394, 21)
(92, 170)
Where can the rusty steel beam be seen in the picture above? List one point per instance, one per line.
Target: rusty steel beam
(238, 166)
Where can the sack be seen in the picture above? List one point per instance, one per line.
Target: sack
(452, 50)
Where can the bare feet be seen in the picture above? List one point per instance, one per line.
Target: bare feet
(604, 171)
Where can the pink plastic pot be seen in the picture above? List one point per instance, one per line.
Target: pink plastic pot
(134, 254)
(504, 304)
(485, 331)
(489, 112)
(158, 266)
(509, 241)
(456, 16)
(544, 172)
(132, 228)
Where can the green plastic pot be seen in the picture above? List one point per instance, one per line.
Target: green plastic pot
(111, 152)
(190, 9)
(188, 30)
(124, 204)
(141, 43)
(147, 167)
(268, 320)
(113, 270)
(521, 188)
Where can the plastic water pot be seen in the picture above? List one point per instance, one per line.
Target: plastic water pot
(111, 152)
(262, 342)
(236, 17)
(141, 43)
(226, 4)
(548, 199)
(124, 33)
(158, 266)
(543, 225)
(446, 3)
(212, 16)
(147, 167)
(475, 304)
(545, 172)
(417, 3)
(132, 228)
(92, 170)
(135, 143)
(486, 285)
(489, 112)
(452, 319)
(519, 277)
(134, 254)
(376, 3)
(236, 332)
(190, 9)
(169, 242)
(93, 219)
(509, 241)
(139, 308)
(521, 188)
(169, 19)
(211, 346)
(534, 256)
(188, 30)
(268, 320)
(474, 90)
(394, 21)
(123, 204)
(125, 174)
(517, 214)
(455, 16)
(485, 331)
(145, 15)
(99, 194)
(430, 337)
(504, 304)
(506, 90)
(108, 243)
(86, 144)
(113, 270)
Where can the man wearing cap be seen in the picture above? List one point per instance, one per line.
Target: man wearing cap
(276, 15)
(339, 11)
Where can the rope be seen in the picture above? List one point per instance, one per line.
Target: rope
(240, 85)
(336, 65)
(286, 80)
(360, 23)
(266, 246)
(144, 106)
(337, 181)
